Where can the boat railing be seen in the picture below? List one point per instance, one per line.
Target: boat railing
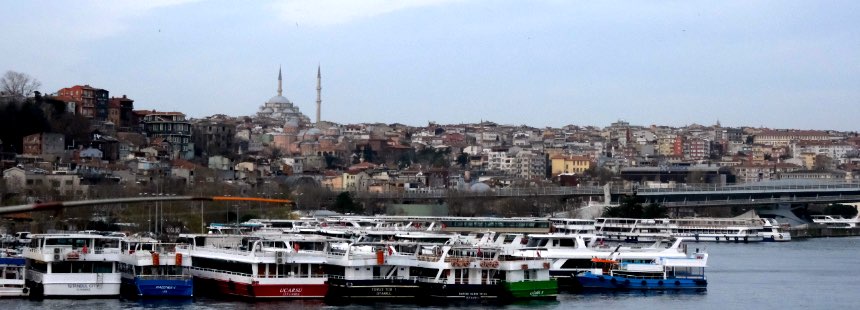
(241, 274)
(331, 276)
(447, 281)
(165, 277)
(429, 258)
(262, 276)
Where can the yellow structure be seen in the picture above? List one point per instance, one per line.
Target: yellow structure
(569, 164)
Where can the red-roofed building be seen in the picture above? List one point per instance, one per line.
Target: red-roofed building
(91, 102)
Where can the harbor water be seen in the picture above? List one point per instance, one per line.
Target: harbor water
(803, 274)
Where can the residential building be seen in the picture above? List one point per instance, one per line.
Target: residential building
(48, 145)
(566, 164)
(173, 128)
(90, 102)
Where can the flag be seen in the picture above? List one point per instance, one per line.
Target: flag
(538, 253)
(390, 250)
(479, 251)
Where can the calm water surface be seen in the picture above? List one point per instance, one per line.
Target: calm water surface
(808, 274)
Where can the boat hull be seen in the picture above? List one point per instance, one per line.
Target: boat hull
(439, 292)
(158, 288)
(342, 290)
(221, 288)
(547, 289)
(73, 285)
(606, 282)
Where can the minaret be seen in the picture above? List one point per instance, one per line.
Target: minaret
(319, 93)
(280, 90)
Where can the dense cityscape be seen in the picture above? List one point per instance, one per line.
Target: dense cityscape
(83, 142)
(283, 154)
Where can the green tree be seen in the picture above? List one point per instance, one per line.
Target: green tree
(655, 210)
(845, 211)
(343, 203)
(462, 159)
(631, 207)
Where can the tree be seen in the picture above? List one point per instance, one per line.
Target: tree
(845, 211)
(343, 203)
(462, 159)
(655, 210)
(19, 85)
(631, 207)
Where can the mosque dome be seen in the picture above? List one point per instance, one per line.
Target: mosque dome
(279, 99)
(479, 187)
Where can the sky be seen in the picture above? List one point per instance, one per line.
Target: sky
(776, 64)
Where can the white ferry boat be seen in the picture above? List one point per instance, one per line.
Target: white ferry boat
(774, 231)
(572, 254)
(572, 226)
(698, 229)
(255, 267)
(836, 221)
(73, 265)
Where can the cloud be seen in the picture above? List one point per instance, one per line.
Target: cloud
(333, 12)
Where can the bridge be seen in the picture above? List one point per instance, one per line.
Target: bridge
(681, 195)
(781, 192)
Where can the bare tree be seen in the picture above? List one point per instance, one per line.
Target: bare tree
(18, 85)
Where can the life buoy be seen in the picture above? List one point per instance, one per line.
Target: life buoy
(546, 265)
(495, 264)
(660, 283)
(677, 283)
(644, 283)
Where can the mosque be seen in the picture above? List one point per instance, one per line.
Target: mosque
(281, 110)
(299, 135)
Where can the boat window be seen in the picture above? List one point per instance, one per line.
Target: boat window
(566, 242)
(39, 266)
(576, 264)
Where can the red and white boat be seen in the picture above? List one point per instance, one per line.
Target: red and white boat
(258, 267)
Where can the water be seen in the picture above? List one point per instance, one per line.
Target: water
(807, 274)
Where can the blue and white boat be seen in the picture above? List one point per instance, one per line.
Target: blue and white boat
(663, 274)
(12, 280)
(154, 270)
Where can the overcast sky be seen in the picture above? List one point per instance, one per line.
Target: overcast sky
(780, 64)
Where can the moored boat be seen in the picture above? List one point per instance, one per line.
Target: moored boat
(372, 272)
(474, 274)
(72, 265)
(664, 274)
(12, 282)
(288, 266)
(154, 270)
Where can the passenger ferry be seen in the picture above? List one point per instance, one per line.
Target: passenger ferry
(662, 274)
(12, 282)
(372, 271)
(73, 265)
(836, 221)
(572, 226)
(258, 267)
(773, 231)
(154, 270)
(468, 273)
(699, 229)
(456, 224)
(571, 255)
